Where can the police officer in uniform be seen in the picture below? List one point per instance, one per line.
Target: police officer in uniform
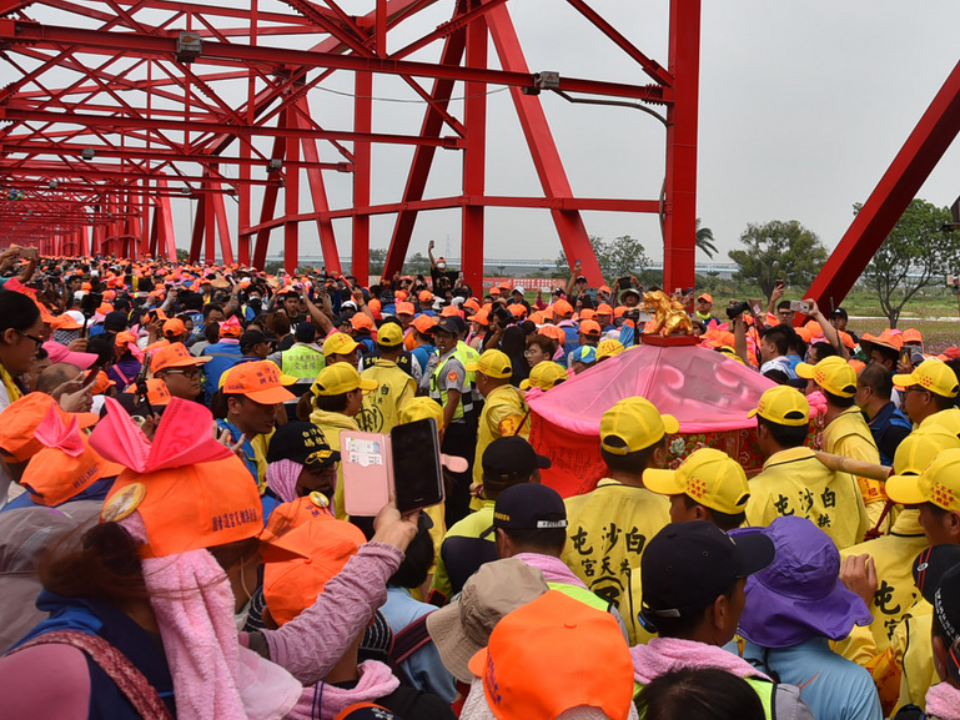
(447, 382)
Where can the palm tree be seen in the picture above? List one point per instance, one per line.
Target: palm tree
(704, 240)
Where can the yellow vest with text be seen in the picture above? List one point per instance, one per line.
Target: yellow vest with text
(381, 407)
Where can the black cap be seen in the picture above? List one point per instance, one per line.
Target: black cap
(511, 458)
(306, 332)
(115, 321)
(302, 442)
(251, 338)
(688, 565)
(451, 324)
(529, 506)
(841, 313)
(932, 565)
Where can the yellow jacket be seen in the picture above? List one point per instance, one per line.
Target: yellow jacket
(607, 532)
(381, 407)
(794, 482)
(503, 412)
(331, 424)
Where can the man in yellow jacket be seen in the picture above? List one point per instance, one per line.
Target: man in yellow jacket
(504, 411)
(610, 526)
(337, 400)
(846, 432)
(381, 408)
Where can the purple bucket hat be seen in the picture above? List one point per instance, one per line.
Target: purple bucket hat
(800, 596)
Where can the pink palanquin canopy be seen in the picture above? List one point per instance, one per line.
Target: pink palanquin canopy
(709, 393)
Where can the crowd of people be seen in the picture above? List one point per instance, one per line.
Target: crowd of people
(175, 541)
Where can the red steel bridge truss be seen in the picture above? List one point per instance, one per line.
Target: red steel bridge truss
(110, 108)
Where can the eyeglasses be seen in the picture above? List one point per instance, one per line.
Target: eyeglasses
(189, 374)
(36, 340)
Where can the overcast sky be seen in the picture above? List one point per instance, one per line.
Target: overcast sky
(803, 105)
(802, 108)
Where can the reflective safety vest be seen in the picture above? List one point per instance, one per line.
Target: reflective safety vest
(466, 397)
(381, 408)
(466, 354)
(583, 595)
(303, 363)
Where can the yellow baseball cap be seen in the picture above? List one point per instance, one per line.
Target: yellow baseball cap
(920, 448)
(939, 483)
(710, 477)
(638, 423)
(933, 375)
(339, 344)
(544, 375)
(609, 348)
(390, 335)
(833, 374)
(783, 405)
(493, 363)
(341, 378)
(421, 408)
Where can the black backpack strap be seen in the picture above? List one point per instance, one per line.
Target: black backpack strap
(413, 637)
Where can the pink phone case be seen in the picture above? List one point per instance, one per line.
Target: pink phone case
(367, 472)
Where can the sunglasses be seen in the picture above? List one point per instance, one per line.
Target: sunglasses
(38, 341)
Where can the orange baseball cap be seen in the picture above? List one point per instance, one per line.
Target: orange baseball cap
(604, 288)
(912, 335)
(174, 326)
(517, 310)
(887, 339)
(401, 295)
(554, 332)
(231, 328)
(705, 296)
(18, 441)
(65, 322)
(55, 475)
(590, 327)
(101, 384)
(188, 508)
(619, 310)
(562, 308)
(451, 311)
(481, 317)
(291, 586)
(537, 318)
(518, 685)
(588, 314)
(361, 321)
(260, 381)
(494, 290)
(472, 304)
(157, 392)
(425, 296)
(406, 308)
(174, 355)
(125, 338)
(424, 323)
(291, 515)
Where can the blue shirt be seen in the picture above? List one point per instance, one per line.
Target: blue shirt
(422, 354)
(889, 427)
(833, 687)
(268, 502)
(424, 667)
(225, 354)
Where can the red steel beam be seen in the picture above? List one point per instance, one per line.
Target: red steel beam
(362, 122)
(680, 182)
(318, 193)
(474, 157)
(121, 122)
(920, 153)
(42, 35)
(543, 149)
(423, 156)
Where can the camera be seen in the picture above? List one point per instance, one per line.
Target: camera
(504, 316)
(737, 309)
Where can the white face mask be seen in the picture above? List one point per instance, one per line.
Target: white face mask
(441, 266)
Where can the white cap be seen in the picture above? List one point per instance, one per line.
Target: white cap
(79, 295)
(518, 289)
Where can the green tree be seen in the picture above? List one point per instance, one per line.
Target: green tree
(625, 255)
(416, 264)
(913, 256)
(778, 250)
(704, 240)
(378, 258)
(183, 256)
